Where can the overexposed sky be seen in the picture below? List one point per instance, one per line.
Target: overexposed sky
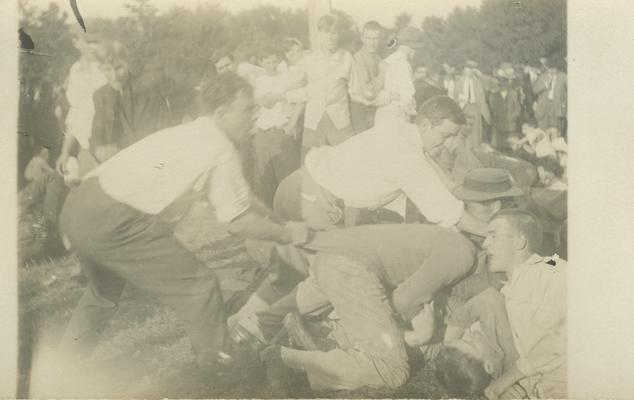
(362, 11)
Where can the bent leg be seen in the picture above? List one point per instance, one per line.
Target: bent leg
(95, 308)
(377, 356)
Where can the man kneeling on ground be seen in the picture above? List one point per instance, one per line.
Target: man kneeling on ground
(373, 276)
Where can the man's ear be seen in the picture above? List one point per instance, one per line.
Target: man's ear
(496, 206)
(520, 241)
(423, 124)
(220, 111)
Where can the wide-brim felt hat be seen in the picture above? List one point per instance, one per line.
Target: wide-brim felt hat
(484, 184)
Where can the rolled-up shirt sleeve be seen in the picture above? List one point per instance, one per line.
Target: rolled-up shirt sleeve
(419, 182)
(545, 344)
(298, 92)
(228, 190)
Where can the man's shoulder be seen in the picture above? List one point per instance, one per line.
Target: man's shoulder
(75, 67)
(551, 265)
(310, 56)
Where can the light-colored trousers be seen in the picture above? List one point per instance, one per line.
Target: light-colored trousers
(374, 353)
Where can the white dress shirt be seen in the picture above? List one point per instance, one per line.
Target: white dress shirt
(399, 86)
(326, 91)
(161, 168)
(535, 297)
(277, 115)
(373, 168)
(83, 81)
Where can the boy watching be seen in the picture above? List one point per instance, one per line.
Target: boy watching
(276, 153)
(366, 78)
(326, 71)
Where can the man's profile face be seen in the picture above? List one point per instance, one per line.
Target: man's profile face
(546, 177)
(329, 39)
(434, 137)
(293, 55)
(420, 73)
(238, 117)
(225, 64)
(371, 40)
(500, 245)
(483, 210)
(116, 73)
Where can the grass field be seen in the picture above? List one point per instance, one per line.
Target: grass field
(144, 352)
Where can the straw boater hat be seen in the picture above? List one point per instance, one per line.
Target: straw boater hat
(448, 68)
(484, 184)
(506, 71)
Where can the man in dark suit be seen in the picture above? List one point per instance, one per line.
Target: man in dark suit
(505, 108)
(471, 88)
(126, 108)
(551, 89)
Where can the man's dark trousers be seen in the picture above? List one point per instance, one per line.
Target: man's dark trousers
(117, 244)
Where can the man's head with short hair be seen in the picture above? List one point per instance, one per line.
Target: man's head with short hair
(112, 57)
(438, 119)
(548, 169)
(269, 58)
(420, 71)
(372, 36)
(513, 236)
(329, 31)
(228, 99)
(86, 42)
(223, 61)
(461, 374)
(292, 49)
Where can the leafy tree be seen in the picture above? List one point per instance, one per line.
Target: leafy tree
(501, 30)
(401, 21)
(51, 36)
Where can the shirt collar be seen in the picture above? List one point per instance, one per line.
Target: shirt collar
(413, 134)
(370, 56)
(533, 259)
(336, 56)
(208, 125)
(399, 56)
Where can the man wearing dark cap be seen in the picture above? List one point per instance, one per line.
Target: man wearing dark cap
(485, 191)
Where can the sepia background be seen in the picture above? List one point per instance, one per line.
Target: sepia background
(600, 186)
